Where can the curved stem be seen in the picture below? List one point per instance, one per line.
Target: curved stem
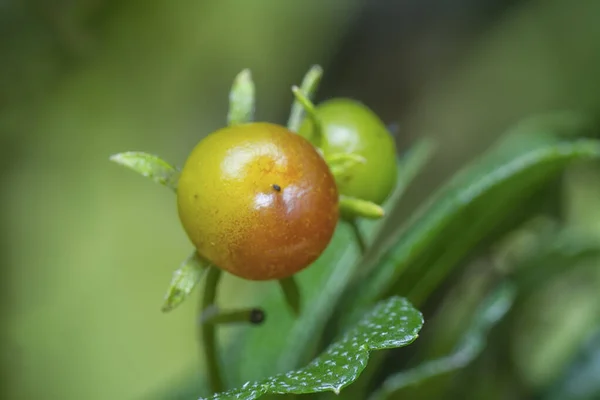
(360, 239)
(309, 109)
(351, 207)
(291, 291)
(309, 86)
(209, 342)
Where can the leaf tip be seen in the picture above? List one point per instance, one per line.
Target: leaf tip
(316, 68)
(244, 77)
(246, 73)
(173, 298)
(118, 157)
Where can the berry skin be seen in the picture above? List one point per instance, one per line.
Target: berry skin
(257, 201)
(348, 126)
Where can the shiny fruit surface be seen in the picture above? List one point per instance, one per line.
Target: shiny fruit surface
(258, 201)
(348, 126)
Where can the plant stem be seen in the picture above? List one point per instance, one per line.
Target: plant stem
(352, 207)
(360, 239)
(254, 316)
(309, 109)
(209, 342)
(291, 291)
(309, 86)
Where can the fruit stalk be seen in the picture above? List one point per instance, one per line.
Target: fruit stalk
(291, 291)
(208, 340)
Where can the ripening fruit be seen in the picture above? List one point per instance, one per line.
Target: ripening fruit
(258, 201)
(348, 126)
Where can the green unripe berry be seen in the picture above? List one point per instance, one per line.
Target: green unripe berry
(348, 126)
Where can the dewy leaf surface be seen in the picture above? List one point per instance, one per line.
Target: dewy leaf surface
(469, 209)
(392, 323)
(491, 311)
(150, 166)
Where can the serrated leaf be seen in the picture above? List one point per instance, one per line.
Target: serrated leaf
(241, 99)
(150, 166)
(491, 311)
(392, 323)
(471, 207)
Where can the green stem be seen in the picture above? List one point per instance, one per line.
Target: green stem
(248, 315)
(351, 207)
(209, 342)
(291, 291)
(358, 235)
(309, 109)
(309, 86)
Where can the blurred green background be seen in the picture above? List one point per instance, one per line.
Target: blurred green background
(89, 248)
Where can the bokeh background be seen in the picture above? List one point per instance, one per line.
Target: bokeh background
(88, 248)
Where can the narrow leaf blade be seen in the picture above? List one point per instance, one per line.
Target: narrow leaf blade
(491, 311)
(467, 210)
(580, 380)
(241, 99)
(184, 280)
(150, 166)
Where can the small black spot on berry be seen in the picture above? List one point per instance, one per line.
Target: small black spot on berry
(277, 188)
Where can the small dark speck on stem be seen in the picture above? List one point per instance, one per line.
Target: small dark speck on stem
(277, 188)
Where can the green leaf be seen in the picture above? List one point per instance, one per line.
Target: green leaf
(472, 207)
(580, 379)
(308, 87)
(150, 166)
(491, 311)
(185, 278)
(553, 253)
(392, 323)
(241, 99)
